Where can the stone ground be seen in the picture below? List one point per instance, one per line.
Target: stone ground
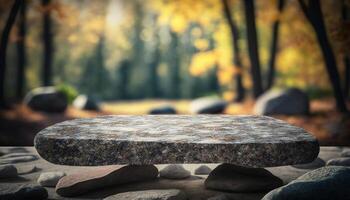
(193, 186)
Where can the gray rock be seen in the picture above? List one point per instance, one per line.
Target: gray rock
(170, 194)
(19, 192)
(174, 171)
(84, 102)
(317, 163)
(287, 102)
(50, 179)
(234, 178)
(208, 105)
(163, 110)
(77, 184)
(27, 169)
(46, 99)
(8, 171)
(339, 161)
(202, 170)
(345, 153)
(252, 141)
(331, 182)
(17, 158)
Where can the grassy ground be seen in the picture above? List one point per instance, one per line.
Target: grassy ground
(19, 125)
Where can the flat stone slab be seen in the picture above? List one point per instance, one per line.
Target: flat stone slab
(251, 141)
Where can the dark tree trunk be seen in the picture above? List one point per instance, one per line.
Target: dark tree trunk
(21, 52)
(47, 40)
(313, 13)
(347, 77)
(273, 48)
(236, 51)
(3, 46)
(174, 63)
(252, 39)
(153, 78)
(346, 19)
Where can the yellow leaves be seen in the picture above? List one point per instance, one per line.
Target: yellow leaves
(228, 95)
(202, 62)
(178, 23)
(201, 44)
(225, 75)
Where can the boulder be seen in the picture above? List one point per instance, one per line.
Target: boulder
(208, 105)
(17, 158)
(330, 182)
(163, 110)
(50, 179)
(286, 102)
(227, 177)
(84, 102)
(169, 194)
(22, 191)
(27, 169)
(46, 99)
(101, 177)
(8, 171)
(202, 170)
(174, 171)
(339, 161)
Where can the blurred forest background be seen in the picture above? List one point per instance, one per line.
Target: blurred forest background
(118, 50)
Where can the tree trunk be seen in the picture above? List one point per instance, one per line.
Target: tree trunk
(3, 46)
(253, 47)
(346, 19)
(236, 51)
(347, 77)
(21, 52)
(313, 13)
(174, 63)
(47, 39)
(153, 76)
(273, 48)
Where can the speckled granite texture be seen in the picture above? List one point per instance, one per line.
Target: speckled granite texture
(251, 141)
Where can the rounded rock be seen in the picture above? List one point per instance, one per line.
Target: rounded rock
(174, 171)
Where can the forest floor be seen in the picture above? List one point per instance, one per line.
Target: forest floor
(19, 125)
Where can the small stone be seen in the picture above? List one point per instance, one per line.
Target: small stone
(8, 171)
(17, 157)
(101, 177)
(170, 194)
(174, 171)
(50, 179)
(46, 99)
(330, 182)
(339, 161)
(241, 179)
(291, 101)
(345, 153)
(208, 105)
(27, 169)
(26, 191)
(84, 102)
(317, 163)
(163, 110)
(202, 170)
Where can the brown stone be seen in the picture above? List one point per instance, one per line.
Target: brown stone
(77, 184)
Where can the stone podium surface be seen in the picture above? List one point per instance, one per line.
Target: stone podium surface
(249, 141)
